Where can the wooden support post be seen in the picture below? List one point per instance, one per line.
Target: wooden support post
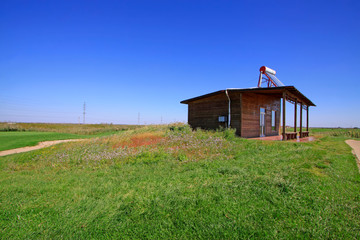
(307, 118)
(241, 109)
(301, 117)
(295, 117)
(284, 122)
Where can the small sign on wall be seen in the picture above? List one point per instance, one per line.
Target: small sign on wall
(222, 119)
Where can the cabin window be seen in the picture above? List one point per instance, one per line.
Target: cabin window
(273, 120)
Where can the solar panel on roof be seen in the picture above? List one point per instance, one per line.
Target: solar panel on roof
(275, 80)
(269, 78)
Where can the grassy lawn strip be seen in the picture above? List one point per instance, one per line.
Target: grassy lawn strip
(83, 129)
(153, 183)
(11, 140)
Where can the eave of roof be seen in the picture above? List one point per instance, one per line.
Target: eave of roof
(273, 90)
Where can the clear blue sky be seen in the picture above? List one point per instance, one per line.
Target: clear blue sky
(130, 57)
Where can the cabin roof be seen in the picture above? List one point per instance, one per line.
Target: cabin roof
(291, 91)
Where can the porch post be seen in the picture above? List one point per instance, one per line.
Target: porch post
(295, 117)
(307, 118)
(301, 108)
(284, 122)
(241, 110)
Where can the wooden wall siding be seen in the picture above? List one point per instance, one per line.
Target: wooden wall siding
(245, 113)
(235, 112)
(204, 113)
(251, 104)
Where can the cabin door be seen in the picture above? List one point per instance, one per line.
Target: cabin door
(262, 122)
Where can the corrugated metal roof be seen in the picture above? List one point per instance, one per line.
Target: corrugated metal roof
(277, 91)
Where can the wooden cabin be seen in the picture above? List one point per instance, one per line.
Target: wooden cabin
(253, 112)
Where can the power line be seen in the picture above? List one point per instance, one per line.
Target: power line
(84, 113)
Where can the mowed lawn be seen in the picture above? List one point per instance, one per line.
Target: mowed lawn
(173, 183)
(17, 135)
(10, 140)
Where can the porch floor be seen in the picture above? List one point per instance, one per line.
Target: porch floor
(279, 138)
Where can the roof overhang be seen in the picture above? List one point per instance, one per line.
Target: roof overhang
(291, 92)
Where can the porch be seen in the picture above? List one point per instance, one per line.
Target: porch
(298, 100)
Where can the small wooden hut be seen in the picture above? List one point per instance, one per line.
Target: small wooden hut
(253, 112)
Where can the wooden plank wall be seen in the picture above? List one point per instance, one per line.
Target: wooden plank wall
(204, 113)
(251, 104)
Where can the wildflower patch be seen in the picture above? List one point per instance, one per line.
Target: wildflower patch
(143, 139)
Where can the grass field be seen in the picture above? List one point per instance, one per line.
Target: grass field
(30, 134)
(160, 182)
(10, 140)
(347, 132)
(83, 129)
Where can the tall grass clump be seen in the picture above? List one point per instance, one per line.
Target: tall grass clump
(346, 133)
(149, 144)
(228, 133)
(338, 132)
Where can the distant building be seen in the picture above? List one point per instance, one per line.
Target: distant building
(253, 112)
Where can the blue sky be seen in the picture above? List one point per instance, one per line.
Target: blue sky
(128, 57)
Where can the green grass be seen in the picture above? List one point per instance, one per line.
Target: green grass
(348, 132)
(11, 140)
(30, 134)
(84, 129)
(154, 182)
(341, 132)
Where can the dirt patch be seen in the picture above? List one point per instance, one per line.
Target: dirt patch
(355, 145)
(39, 146)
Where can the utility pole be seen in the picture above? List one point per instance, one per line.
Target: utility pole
(138, 118)
(84, 113)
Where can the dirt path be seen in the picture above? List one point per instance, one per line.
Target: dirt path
(39, 146)
(356, 149)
